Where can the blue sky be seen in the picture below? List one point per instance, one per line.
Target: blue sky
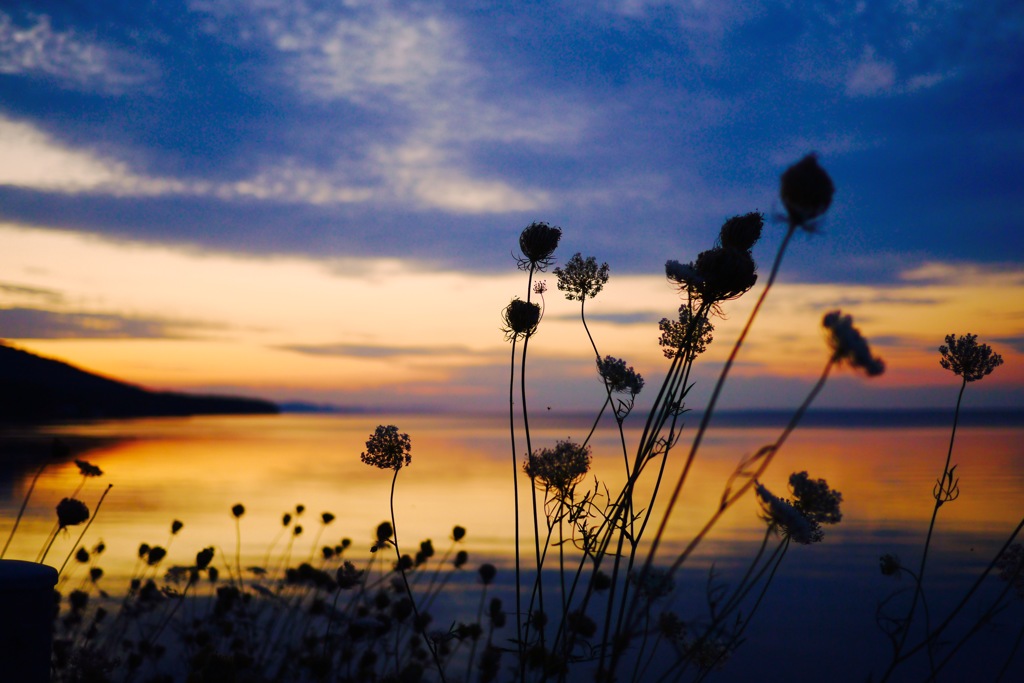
(431, 132)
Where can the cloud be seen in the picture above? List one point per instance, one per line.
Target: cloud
(870, 76)
(636, 318)
(368, 351)
(72, 60)
(34, 323)
(16, 291)
(1015, 343)
(410, 71)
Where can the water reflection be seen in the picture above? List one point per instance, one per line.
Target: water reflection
(194, 470)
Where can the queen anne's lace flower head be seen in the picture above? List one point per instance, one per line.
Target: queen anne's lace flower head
(689, 334)
(806, 191)
(559, 468)
(849, 346)
(619, 377)
(965, 357)
(1011, 567)
(785, 518)
(538, 241)
(520, 319)
(71, 512)
(388, 449)
(581, 278)
(815, 499)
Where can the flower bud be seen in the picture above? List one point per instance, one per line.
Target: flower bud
(538, 242)
(742, 232)
(71, 512)
(806, 190)
(521, 318)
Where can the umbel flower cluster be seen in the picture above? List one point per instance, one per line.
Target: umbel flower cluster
(559, 468)
(727, 270)
(849, 346)
(965, 357)
(582, 278)
(388, 449)
(800, 519)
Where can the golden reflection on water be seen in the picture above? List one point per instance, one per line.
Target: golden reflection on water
(195, 469)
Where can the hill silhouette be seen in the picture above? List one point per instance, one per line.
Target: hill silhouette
(33, 388)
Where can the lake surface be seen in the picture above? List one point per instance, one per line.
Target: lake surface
(820, 611)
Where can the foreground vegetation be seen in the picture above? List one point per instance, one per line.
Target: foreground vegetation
(595, 597)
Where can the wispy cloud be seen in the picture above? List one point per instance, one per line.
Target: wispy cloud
(370, 351)
(69, 58)
(34, 323)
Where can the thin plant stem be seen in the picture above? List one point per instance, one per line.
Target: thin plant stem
(931, 524)
(408, 590)
(515, 494)
(21, 511)
(706, 418)
(85, 529)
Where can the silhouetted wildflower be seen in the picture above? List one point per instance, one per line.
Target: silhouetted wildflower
(461, 558)
(458, 533)
(348, 576)
(618, 377)
(176, 526)
(204, 557)
(581, 278)
(786, 519)
(540, 286)
(688, 333)
(237, 510)
(806, 191)
(388, 449)
(965, 357)
(683, 274)
(82, 555)
(815, 499)
(559, 468)
(742, 232)
(1011, 567)
(538, 242)
(71, 512)
(520, 318)
(487, 573)
(155, 555)
(327, 518)
(725, 273)
(88, 470)
(889, 564)
(848, 345)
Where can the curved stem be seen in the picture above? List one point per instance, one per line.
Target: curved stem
(706, 418)
(84, 529)
(515, 493)
(21, 511)
(419, 625)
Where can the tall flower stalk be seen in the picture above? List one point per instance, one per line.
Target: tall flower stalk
(971, 361)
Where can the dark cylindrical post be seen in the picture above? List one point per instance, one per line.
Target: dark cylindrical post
(26, 620)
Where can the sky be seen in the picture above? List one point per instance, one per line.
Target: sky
(321, 201)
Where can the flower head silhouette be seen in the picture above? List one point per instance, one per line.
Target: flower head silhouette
(387, 449)
(849, 346)
(965, 357)
(538, 242)
(806, 191)
(582, 278)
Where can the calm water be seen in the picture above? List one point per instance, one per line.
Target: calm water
(821, 608)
